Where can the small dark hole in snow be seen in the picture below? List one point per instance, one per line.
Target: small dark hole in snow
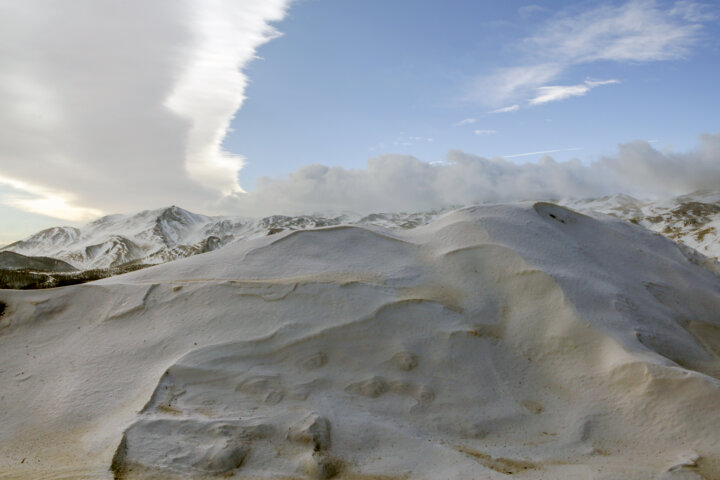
(2, 309)
(552, 215)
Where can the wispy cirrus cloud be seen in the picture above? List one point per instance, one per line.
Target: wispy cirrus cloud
(527, 11)
(511, 108)
(542, 152)
(554, 93)
(639, 30)
(511, 83)
(467, 121)
(485, 133)
(696, 12)
(635, 31)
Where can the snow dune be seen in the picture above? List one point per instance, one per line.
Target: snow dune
(524, 340)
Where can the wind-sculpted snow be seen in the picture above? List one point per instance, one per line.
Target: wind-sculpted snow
(524, 340)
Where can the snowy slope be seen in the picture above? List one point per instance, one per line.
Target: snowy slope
(117, 239)
(15, 261)
(159, 236)
(693, 219)
(522, 340)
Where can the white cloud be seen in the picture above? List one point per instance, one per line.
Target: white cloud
(402, 182)
(695, 12)
(664, 172)
(467, 121)
(511, 83)
(554, 93)
(597, 83)
(114, 106)
(402, 141)
(530, 10)
(511, 108)
(483, 133)
(637, 30)
(43, 201)
(542, 152)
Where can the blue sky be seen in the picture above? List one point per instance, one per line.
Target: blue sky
(279, 106)
(350, 80)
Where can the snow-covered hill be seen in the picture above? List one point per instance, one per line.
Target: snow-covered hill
(693, 220)
(15, 261)
(149, 236)
(524, 340)
(158, 236)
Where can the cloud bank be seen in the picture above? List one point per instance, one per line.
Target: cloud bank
(404, 183)
(123, 105)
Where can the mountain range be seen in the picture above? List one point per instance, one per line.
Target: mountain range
(158, 236)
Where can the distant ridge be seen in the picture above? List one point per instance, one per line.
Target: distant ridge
(161, 235)
(692, 219)
(165, 234)
(15, 261)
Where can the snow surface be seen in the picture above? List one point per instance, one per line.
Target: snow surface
(693, 219)
(162, 235)
(524, 339)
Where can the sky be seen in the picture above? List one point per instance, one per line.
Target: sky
(278, 106)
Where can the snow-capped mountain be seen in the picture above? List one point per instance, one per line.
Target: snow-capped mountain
(162, 235)
(693, 220)
(149, 236)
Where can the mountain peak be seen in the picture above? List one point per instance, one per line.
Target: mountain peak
(175, 211)
(170, 232)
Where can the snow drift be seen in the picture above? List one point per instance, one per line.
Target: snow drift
(524, 340)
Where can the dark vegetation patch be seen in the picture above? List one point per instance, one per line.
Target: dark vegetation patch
(15, 261)
(700, 235)
(695, 214)
(30, 280)
(672, 232)
(697, 209)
